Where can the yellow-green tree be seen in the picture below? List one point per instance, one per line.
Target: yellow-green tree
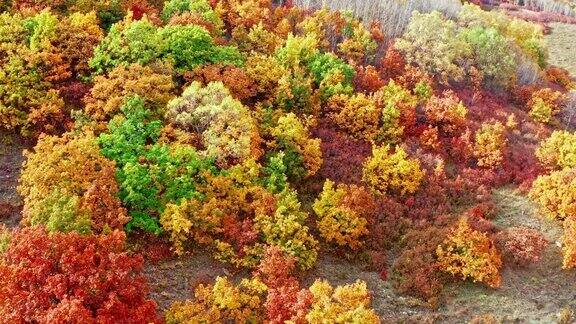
(558, 150)
(555, 194)
(392, 171)
(490, 143)
(344, 304)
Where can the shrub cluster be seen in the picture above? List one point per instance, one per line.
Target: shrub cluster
(254, 130)
(467, 253)
(273, 294)
(392, 172)
(478, 44)
(523, 246)
(63, 198)
(545, 104)
(342, 213)
(490, 143)
(69, 277)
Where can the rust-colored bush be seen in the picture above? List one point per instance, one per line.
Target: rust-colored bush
(559, 76)
(448, 113)
(240, 84)
(152, 83)
(393, 63)
(367, 79)
(415, 272)
(521, 245)
(285, 301)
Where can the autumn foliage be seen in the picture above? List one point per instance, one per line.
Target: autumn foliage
(558, 151)
(554, 194)
(522, 245)
(69, 277)
(490, 144)
(392, 172)
(274, 295)
(447, 113)
(467, 253)
(342, 213)
(63, 198)
(268, 136)
(154, 84)
(545, 104)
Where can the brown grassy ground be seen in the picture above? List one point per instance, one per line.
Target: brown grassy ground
(562, 46)
(537, 294)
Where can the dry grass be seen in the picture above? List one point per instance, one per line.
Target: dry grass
(562, 46)
(568, 114)
(394, 14)
(562, 7)
(528, 72)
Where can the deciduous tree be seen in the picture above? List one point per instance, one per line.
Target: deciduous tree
(70, 277)
(392, 172)
(467, 253)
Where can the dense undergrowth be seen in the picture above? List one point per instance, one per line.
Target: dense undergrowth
(268, 134)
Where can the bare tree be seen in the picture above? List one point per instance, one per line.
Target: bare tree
(393, 14)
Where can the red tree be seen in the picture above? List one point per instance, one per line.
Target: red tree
(62, 278)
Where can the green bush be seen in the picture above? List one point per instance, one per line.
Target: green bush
(432, 43)
(139, 41)
(191, 46)
(491, 54)
(201, 8)
(149, 175)
(128, 41)
(331, 74)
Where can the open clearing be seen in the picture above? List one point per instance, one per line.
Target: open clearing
(562, 46)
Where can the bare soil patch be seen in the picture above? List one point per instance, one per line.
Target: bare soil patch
(11, 159)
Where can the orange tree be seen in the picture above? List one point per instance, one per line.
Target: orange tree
(467, 253)
(64, 198)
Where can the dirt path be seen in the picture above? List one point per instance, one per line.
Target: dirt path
(562, 46)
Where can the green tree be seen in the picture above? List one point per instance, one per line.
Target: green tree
(128, 41)
(492, 54)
